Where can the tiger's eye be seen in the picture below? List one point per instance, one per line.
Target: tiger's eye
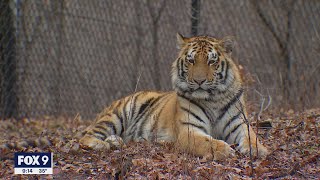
(191, 61)
(210, 62)
(213, 59)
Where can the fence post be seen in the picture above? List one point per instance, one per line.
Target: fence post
(195, 14)
(7, 61)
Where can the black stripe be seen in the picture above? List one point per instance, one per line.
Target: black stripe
(134, 104)
(115, 111)
(132, 109)
(235, 139)
(183, 73)
(142, 126)
(178, 67)
(196, 104)
(193, 114)
(108, 124)
(123, 112)
(149, 104)
(219, 75)
(144, 108)
(194, 125)
(234, 130)
(230, 103)
(222, 65)
(121, 121)
(154, 126)
(104, 136)
(145, 105)
(226, 74)
(231, 120)
(101, 127)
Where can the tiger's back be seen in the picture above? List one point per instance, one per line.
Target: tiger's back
(144, 115)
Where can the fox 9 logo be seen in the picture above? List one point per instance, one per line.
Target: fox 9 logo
(32, 163)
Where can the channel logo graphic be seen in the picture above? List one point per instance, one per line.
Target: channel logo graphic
(33, 163)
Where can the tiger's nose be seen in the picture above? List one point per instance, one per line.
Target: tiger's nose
(199, 81)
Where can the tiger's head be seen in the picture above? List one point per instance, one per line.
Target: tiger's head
(203, 66)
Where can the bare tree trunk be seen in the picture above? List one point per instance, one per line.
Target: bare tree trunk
(195, 15)
(155, 26)
(7, 61)
(283, 45)
(58, 21)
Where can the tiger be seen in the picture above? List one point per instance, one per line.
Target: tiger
(203, 115)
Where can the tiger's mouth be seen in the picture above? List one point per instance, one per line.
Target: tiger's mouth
(200, 89)
(203, 87)
(205, 90)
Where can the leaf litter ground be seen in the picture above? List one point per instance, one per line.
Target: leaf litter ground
(293, 141)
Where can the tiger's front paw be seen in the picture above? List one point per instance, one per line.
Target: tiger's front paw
(94, 143)
(112, 142)
(115, 142)
(222, 150)
(257, 150)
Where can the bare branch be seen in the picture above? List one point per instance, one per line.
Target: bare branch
(267, 23)
(262, 107)
(269, 103)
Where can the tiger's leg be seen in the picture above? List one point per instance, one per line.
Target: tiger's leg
(257, 149)
(105, 133)
(239, 134)
(111, 142)
(201, 144)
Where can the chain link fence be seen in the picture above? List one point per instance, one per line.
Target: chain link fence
(60, 57)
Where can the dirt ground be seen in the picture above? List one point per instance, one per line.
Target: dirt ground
(293, 141)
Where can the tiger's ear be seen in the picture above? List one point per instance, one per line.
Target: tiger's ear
(181, 41)
(228, 44)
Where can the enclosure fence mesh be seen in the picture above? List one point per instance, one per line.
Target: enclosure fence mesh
(62, 58)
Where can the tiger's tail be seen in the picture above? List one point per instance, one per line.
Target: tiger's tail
(41, 142)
